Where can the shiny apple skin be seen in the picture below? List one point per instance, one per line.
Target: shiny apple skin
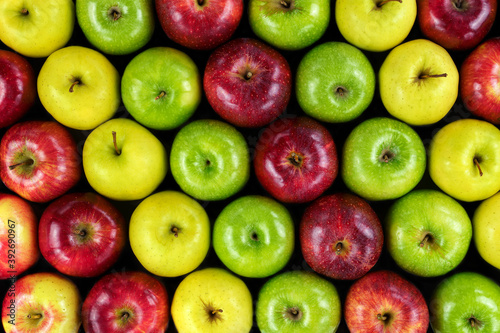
(480, 81)
(456, 28)
(311, 143)
(69, 252)
(17, 87)
(247, 101)
(139, 294)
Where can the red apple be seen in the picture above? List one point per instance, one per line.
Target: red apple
(17, 87)
(456, 24)
(480, 81)
(39, 160)
(82, 234)
(295, 159)
(199, 24)
(341, 236)
(247, 82)
(127, 302)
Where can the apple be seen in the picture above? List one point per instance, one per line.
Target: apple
(199, 24)
(458, 24)
(169, 233)
(300, 301)
(251, 228)
(210, 160)
(39, 160)
(465, 302)
(382, 159)
(161, 88)
(247, 82)
(341, 236)
(130, 301)
(18, 236)
(335, 82)
(427, 232)
(486, 230)
(480, 81)
(18, 87)
(42, 302)
(116, 27)
(384, 301)
(123, 160)
(375, 25)
(295, 159)
(418, 82)
(36, 28)
(289, 24)
(79, 87)
(212, 300)
(464, 159)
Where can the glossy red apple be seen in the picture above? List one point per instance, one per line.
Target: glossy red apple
(480, 81)
(385, 302)
(39, 160)
(341, 236)
(295, 159)
(126, 302)
(199, 24)
(81, 234)
(17, 87)
(247, 82)
(456, 24)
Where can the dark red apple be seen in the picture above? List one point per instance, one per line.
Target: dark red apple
(456, 24)
(199, 24)
(39, 160)
(341, 236)
(295, 159)
(385, 302)
(247, 82)
(480, 81)
(126, 302)
(17, 87)
(81, 234)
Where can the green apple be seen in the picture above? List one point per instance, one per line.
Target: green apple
(36, 28)
(161, 88)
(123, 160)
(486, 230)
(212, 300)
(418, 82)
(116, 27)
(382, 159)
(464, 159)
(250, 229)
(210, 160)
(335, 82)
(79, 87)
(298, 301)
(375, 25)
(427, 232)
(289, 24)
(465, 302)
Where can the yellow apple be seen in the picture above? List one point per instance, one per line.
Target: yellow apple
(486, 230)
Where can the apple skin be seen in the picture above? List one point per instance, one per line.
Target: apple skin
(247, 82)
(126, 302)
(295, 159)
(480, 81)
(199, 24)
(486, 230)
(341, 236)
(52, 164)
(81, 234)
(456, 25)
(385, 302)
(18, 86)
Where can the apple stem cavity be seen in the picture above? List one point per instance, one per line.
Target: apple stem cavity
(175, 231)
(293, 313)
(339, 247)
(214, 313)
(285, 3)
(27, 162)
(35, 316)
(386, 155)
(248, 75)
(380, 4)
(295, 159)
(476, 162)
(383, 317)
(474, 322)
(24, 11)
(161, 95)
(118, 152)
(114, 13)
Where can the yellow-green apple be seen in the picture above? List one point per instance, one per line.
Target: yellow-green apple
(486, 230)
(169, 233)
(123, 160)
(418, 82)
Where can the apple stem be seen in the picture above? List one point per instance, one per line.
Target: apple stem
(380, 4)
(175, 231)
(382, 317)
(474, 322)
(248, 75)
(340, 91)
(428, 76)
(35, 316)
(26, 162)
(476, 162)
(76, 82)
(161, 95)
(214, 312)
(338, 248)
(295, 158)
(118, 152)
(24, 11)
(426, 239)
(285, 3)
